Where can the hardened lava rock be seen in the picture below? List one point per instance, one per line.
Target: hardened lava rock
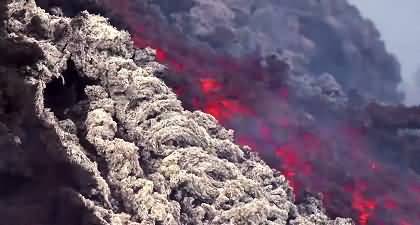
(89, 135)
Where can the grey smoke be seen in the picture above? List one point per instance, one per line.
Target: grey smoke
(327, 36)
(400, 31)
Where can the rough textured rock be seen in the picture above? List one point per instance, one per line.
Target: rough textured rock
(89, 135)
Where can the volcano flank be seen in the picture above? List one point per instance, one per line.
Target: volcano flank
(102, 126)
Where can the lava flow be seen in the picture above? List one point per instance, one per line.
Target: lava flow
(335, 159)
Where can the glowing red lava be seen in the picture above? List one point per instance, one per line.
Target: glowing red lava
(337, 163)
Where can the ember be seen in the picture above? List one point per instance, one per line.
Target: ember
(335, 156)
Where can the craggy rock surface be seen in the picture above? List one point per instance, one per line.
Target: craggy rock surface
(89, 135)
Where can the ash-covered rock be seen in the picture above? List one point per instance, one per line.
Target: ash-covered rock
(89, 135)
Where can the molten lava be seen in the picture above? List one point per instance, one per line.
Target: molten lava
(335, 160)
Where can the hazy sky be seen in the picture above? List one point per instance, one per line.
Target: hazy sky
(399, 24)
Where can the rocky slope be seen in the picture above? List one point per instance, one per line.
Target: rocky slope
(89, 135)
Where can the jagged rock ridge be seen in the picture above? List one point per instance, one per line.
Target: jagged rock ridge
(89, 135)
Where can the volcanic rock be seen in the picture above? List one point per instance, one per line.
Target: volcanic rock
(90, 135)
